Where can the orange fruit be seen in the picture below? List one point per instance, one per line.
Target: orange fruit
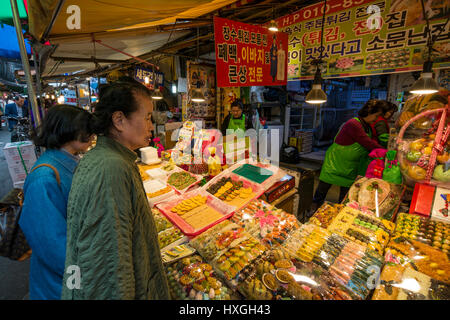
(427, 150)
(443, 158)
(417, 173)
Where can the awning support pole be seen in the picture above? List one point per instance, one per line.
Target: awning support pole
(26, 64)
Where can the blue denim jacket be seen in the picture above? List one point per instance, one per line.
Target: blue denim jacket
(44, 222)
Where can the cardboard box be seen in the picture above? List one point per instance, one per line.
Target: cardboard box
(20, 157)
(441, 205)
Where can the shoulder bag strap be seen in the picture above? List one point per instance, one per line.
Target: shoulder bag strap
(58, 179)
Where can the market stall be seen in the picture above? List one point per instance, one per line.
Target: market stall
(228, 219)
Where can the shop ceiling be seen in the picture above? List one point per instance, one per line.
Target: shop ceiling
(149, 30)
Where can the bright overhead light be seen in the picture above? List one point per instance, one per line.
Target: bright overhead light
(425, 84)
(316, 95)
(273, 26)
(53, 97)
(197, 96)
(61, 99)
(157, 95)
(147, 80)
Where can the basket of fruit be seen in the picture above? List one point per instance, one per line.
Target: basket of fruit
(427, 159)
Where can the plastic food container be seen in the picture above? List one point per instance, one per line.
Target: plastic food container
(265, 222)
(191, 278)
(157, 173)
(276, 275)
(362, 228)
(152, 186)
(239, 184)
(212, 206)
(195, 179)
(229, 248)
(413, 271)
(351, 264)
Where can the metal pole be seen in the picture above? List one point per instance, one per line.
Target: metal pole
(26, 65)
(38, 80)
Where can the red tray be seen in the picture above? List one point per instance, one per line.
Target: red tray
(226, 210)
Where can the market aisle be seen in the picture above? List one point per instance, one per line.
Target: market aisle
(13, 274)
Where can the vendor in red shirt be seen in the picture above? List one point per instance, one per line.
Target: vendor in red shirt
(380, 128)
(347, 156)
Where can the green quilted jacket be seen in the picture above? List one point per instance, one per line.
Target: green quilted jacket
(111, 234)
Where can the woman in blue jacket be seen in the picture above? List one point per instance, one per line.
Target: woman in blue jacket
(65, 133)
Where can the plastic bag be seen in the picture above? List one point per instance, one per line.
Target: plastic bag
(376, 165)
(433, 233)
(192, 278)
(265, 222)
(229, 248)
(276, 276)
(350, 263)
(325, 214)
(413, 271)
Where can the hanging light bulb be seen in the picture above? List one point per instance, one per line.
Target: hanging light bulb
(197, 96)
(47, 96)
(61, 99)
(53, 97)
(316, 95)
(425, 84)
(157, 95)
(273, 26)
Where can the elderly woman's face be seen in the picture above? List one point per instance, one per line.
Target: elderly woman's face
(236, 112)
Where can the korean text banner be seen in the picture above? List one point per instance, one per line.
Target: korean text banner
(141, 73)
(248, 55)
(363, 37)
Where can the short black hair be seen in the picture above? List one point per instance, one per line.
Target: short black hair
(63, 124)
(237, 103)
(373, 106)
(117, 96)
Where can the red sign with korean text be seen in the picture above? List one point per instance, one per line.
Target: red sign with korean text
(248, 55)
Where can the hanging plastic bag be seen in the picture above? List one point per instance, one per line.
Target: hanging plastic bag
(392, 172)
(376, 166)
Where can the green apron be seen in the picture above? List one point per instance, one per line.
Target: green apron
(344, 163)
(236, 124)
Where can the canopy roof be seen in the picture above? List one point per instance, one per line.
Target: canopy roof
(130, 26)
(136, 27)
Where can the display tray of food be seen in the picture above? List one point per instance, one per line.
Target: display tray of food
(265, 222)
(364, 229)
(161, 221)
(157, 191)
(195, 211)
(375, 197)
(229, 248)
(429, 231)
(413, 271)
(175, 253)
(171, 237)
(180, 180)
(276, 276)
(191, 278)
(350, 263)
(325, 214)
(233, 190)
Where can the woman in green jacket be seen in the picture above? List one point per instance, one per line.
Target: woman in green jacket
(347, 157)
(112, 243)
